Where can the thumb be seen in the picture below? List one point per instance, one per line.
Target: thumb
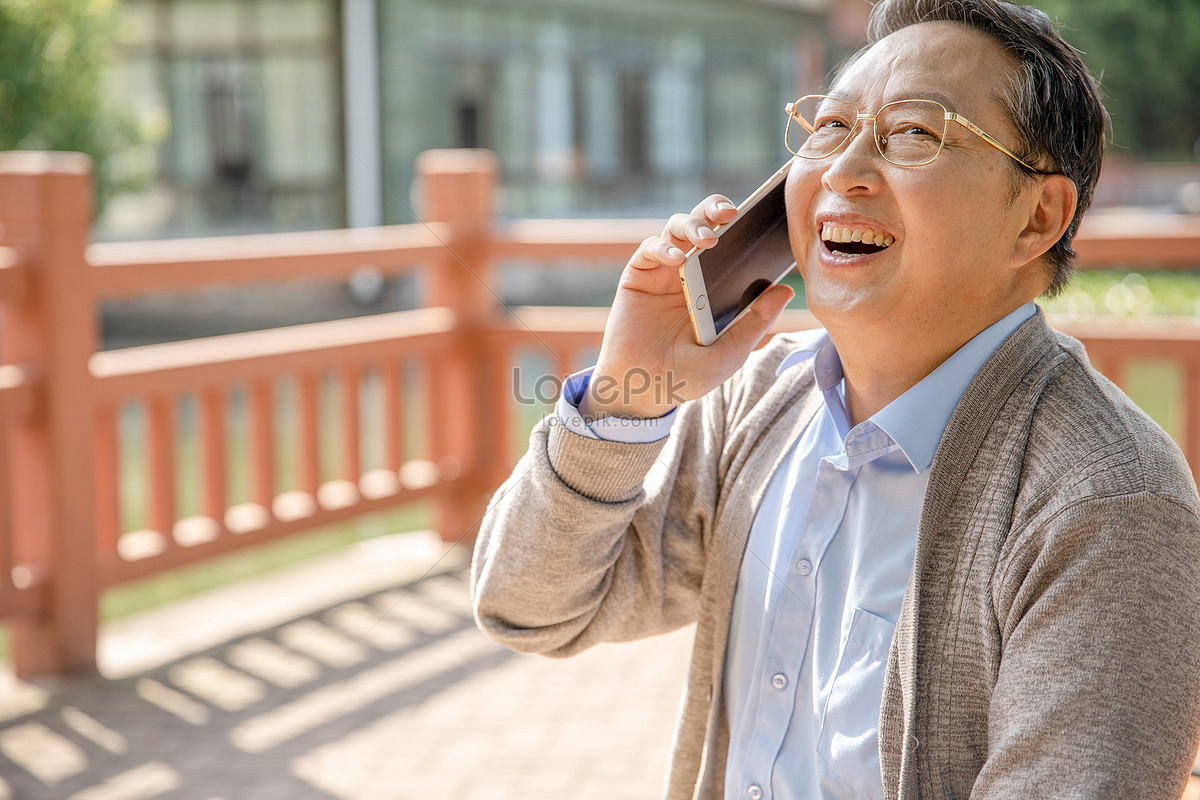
(748, 331)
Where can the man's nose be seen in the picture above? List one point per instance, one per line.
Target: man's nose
(856, 165)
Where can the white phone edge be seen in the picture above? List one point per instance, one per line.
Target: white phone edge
(695, 292)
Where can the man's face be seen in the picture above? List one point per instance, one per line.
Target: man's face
(950, 271)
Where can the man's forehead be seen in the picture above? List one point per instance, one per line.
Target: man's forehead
(932, 60)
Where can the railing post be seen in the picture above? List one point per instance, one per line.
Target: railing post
(45, 214)
(468, 425)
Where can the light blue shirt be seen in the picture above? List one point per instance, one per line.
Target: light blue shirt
(613, 429)
(823, 577)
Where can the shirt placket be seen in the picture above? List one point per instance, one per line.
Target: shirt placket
(794, 598)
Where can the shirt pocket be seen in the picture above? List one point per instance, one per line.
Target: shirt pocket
(849, 738)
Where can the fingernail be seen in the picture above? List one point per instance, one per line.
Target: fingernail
(724, 204)
(674, 252)
(706, 232)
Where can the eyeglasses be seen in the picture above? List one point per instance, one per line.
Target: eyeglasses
(909, 133)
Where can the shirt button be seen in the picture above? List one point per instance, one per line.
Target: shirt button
(805, 566)
(779, 681)
(754, 792)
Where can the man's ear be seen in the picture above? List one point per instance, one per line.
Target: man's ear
(1051, 209)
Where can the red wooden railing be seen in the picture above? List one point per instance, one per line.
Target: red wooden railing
(441, 370)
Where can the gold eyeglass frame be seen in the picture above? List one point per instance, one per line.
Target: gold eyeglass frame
(948, 116)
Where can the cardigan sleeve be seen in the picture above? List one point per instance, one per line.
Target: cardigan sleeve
(1098, 691)
(591, 540)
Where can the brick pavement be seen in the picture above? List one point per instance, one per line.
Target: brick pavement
(346, 678)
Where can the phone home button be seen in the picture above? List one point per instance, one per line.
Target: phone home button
(702, 302)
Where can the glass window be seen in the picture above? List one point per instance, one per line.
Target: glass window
(189, 156)
(243, 99)
(473, 95)
(203, 24)
(294, 21)
(634, 130)
(300, 115)
(739, 101)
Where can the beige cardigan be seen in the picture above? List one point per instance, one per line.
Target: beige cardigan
(1049, 640)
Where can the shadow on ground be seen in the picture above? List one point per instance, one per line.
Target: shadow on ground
(236, 721)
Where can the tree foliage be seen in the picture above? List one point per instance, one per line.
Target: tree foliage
(52, 59)
(1147, 56)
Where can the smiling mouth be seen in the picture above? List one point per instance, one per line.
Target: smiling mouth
(854, 241)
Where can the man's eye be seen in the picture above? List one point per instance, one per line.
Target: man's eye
(830, 122)
(913, 129)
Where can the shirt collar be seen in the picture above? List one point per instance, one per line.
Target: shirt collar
(916, 419)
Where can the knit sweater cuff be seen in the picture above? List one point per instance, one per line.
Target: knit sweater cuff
(611, 472)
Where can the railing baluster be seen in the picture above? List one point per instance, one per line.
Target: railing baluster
(1108, 362)
(262, 423)
(107, 465)
(393, 427)
(568, 356)
(1191, 415)
(1116, 369)
(7, 560)
(500, 388)
(214, 432)
(427, 439)
(161, 462)
(308, 401)
(351, 391)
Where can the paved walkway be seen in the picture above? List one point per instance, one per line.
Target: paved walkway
(349, 677)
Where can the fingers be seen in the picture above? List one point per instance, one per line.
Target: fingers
(698, 228)
(683, 232)
(716, 208)
(654, 251)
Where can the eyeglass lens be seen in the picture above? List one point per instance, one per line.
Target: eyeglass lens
(909, 132)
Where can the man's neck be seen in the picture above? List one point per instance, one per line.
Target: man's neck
(871, 384)
(879, 366)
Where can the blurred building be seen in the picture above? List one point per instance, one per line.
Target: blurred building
(293, 114)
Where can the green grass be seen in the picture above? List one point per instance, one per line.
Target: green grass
(137, 596)
(1123, 293)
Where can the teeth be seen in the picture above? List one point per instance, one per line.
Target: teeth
(832, 233)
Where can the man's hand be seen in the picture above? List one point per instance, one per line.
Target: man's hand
(649, 361)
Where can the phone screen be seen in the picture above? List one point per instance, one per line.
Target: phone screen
(752, 253)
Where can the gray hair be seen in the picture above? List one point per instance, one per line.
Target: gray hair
(1053, 101)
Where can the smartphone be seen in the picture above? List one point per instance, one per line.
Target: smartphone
(752, 254)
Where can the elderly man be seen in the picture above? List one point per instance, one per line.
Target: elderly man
(929, 550)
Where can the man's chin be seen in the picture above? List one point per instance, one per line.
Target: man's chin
(846, 310)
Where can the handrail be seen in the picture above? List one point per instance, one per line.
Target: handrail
(1117, 241)
(589, 240)
(124, 269)
(177, 367)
